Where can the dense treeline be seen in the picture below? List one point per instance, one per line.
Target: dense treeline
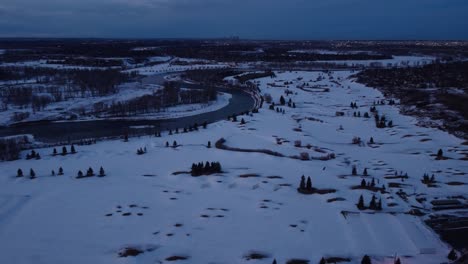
(170, 95)
(91, 62)
(215, 76)
(439, 75)
(11, 147)
(58, 85)
(426, 86)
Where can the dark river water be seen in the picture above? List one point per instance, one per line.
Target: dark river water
(64, 131)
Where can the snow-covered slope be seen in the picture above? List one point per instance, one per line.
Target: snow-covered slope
(253, 206)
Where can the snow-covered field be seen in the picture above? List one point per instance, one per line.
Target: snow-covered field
(253, 206)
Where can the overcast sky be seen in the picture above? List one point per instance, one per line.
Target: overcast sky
(257, 19)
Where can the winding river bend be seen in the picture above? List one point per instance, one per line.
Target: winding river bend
(50, 132)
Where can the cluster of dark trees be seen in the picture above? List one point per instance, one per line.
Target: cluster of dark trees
(211, 77)
(249, 52)
(32, 173)
(170, 95)
(208, 168)
(90, 173)
(10, 148)
(33, 155)
(290, 102)
(428, 179)
(141, 151)
(354, 171)
(174, 144)
(438, 75)
(425, 86)
(305, 186)
(61, 85)
(88, 62)
(373, 204)
(64, 151)
(277, 109)
(255, 75)
(191, 128)
(358, 114)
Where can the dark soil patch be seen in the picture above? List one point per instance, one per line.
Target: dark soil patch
(176, 258)
(130, 252)
(337, 199)
(108, 214)
(178, 225)
(126, 214)
(297, 261)
(275, 177)
(370, 188)
(455, 183)
(180, 172)
(256, 255)
(397, 185)
(337, 260)
(249, 175)
(316, 191)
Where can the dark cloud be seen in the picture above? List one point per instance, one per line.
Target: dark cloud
(295, 19)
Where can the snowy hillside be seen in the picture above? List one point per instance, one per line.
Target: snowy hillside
(252, 209)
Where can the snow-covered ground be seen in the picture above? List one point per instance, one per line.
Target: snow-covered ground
(222, 218)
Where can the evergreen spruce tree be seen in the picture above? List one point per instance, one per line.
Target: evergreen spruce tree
(80, 174)
(309, 184)
(397, 261)
(167, 144)
(90, 172)
(60, 171)
(366, 260)
(373, 204)
(282, 101)
(365, 172)
(54, 153)
(209, 144)
(372, 183)
(242, 121)
(19, 173)
(73, 151)
(101, 172)
(302, 185)
(363, 183)
(323, 261)
(360, 204)
(32, 174)
(274, 261)
(53, 173)
(371, 140)
(440, 154)
(64, 151)
(354, 171)
(174, 144)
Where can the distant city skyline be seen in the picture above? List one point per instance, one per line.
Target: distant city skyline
(247, 19)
